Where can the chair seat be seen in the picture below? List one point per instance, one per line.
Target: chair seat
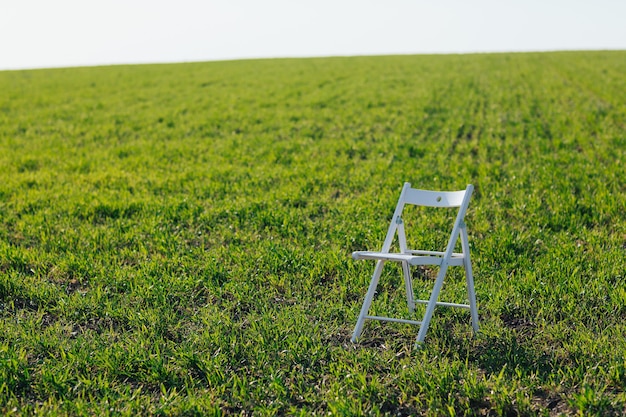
(411, 257)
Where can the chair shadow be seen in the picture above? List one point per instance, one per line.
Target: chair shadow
(509, 348)
(510, 351)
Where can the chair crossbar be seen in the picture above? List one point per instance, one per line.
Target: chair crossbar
(432, 253)
(431, 258)
(379, 318)
(444, 304)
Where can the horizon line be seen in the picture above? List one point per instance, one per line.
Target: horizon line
(286, 57)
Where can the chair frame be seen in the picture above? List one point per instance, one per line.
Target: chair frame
(408, 257)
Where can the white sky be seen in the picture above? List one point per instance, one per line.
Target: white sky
(61, 33)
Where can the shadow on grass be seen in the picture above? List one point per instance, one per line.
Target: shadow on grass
(512, 349)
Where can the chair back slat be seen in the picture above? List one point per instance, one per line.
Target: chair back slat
(434, 198)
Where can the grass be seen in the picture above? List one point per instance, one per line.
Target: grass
(175, 239)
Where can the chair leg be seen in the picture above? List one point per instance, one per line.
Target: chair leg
(408, 283)
(469, 279)
(432, 303)
(358, 329)
(472, 298)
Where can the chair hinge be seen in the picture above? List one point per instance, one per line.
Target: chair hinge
(398, 220)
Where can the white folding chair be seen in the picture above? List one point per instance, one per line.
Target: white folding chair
(408, 257)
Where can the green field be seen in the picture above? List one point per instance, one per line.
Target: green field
(176, 239)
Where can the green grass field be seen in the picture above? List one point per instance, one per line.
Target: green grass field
(176, 239)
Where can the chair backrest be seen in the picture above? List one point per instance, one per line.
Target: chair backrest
(444, 199)
(434, 198)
